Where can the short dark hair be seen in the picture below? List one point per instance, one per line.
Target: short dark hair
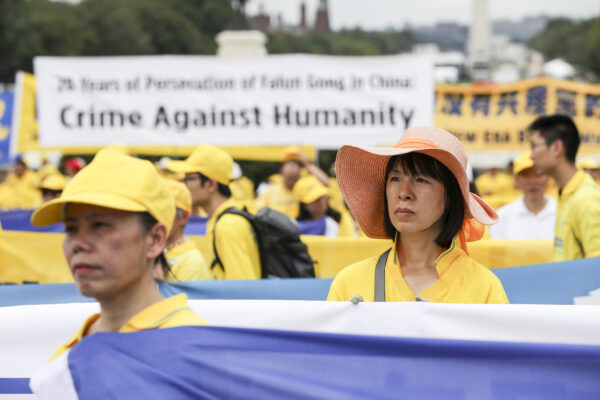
(555, 127)
(223, 189)
(454, 203)
(304, 214)
(148, 221)
(51, 192)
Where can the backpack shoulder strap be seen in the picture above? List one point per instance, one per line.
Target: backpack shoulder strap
(217, 259)
(380, 276)
(236, 211)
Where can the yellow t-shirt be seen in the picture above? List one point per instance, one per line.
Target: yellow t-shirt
(577, 229)
(20, 192)
(187, 263)
(336, 199)
(242, 191)
(168, 313)
(279, 198)
(347, 225)
(236, 245)
(461, 280)
(498, 184)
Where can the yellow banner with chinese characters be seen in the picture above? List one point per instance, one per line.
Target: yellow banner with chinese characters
(495, 117)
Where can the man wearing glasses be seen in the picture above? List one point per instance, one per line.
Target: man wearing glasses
(208, 173)
(554, 144)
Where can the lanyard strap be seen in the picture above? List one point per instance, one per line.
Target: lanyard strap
(380, 276)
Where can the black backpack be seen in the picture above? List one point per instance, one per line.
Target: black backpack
(282, 253)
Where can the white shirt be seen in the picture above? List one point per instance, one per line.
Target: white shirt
(331, 227)
(516, 222)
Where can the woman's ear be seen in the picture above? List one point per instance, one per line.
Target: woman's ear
(157, 240)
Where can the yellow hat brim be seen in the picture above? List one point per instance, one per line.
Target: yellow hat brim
(181, 166)
(315, 195)
(52, 211)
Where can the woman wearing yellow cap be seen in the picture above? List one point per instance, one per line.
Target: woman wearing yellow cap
(52, 186)
(117, 212)
(186, 263)
(416, 194)
(314, 204)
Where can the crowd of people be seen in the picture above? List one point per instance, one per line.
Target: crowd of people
(539, 198)
(124, 220)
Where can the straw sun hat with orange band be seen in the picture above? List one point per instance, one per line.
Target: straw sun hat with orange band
(361, 175)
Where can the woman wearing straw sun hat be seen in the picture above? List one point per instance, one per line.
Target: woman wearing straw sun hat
(117, 213)
(416, 194)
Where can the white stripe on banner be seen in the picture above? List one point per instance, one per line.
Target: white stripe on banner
(54, 380)
(30, 334)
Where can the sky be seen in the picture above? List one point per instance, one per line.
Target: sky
(382, 14)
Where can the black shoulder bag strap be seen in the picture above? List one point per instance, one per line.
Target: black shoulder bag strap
(217, 260)
(380, 276)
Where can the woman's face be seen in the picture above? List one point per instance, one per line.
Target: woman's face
(317, 208)
(415, 203)
(107, 250)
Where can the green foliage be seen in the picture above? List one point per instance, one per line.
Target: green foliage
(576, 42)
(30, 28)
(354, 42)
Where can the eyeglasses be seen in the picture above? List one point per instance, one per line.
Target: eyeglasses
(535, 145)
(190, 178)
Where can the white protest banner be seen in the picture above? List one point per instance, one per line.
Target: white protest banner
(276, 100)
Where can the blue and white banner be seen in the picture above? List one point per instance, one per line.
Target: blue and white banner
(515, 343)
(6, 112)
(20, 220)
(323, 101)
(224, 363)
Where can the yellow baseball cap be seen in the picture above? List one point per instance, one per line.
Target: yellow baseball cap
(291, 153)
(113, 180)
(522, 162)
(121, 148)
(210, 161)
(587, 163)
(309, 189)
(53, 182)
(181, 194)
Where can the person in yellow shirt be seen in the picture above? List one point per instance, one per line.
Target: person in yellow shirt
(417, 195)
(554, 144)
(19, 190)
(46, 169)
(117, 212)
(314, 205)
(208, 172)
(591, 166)
(279, 194)
(186, 263)
(52, 186)
(242, 189)
(494, 182)
(531, 216)
(497, 188)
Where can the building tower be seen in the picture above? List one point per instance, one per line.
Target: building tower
(303, 26)
(322, 19)
(261, 21)
(480, 40)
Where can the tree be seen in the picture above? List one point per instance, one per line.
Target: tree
(30, 28)
(576, 42)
